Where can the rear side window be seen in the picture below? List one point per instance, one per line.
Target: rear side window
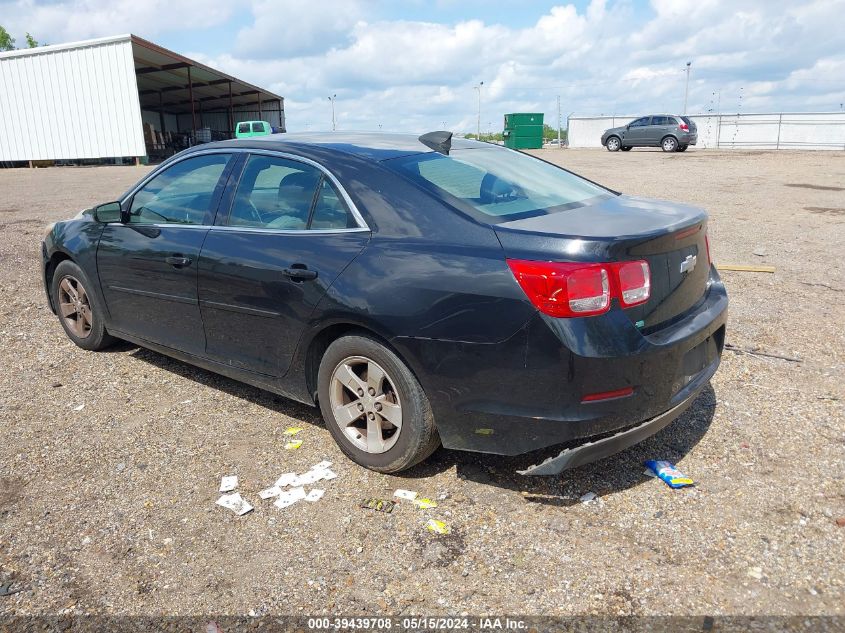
(496, 183)
(662, 120)
(279, 193)
(257, 127)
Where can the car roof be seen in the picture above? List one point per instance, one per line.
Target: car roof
(372, 145)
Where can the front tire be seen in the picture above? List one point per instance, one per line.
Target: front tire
(78, 309)
(669, 144)
(613, 144)
(373, 405)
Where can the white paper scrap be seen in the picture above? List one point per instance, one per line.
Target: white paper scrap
(290, 497)
(269, 493)
(587, 497)
(235, 503)
(329, 474)
(409, 495)
(310, 477)
(285, 480)
(315, 495)
(323, 465)
(228, 483)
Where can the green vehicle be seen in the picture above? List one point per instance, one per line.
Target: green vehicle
(246, 129)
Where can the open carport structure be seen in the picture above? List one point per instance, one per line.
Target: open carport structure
(118, 97)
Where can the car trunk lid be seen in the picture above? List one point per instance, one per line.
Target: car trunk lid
(669, 236)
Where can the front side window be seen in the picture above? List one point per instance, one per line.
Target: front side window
(496, 182)
(279, 193)
(181, 194)
(243, 128)
(640, 122)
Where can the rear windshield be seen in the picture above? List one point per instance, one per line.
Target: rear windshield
(500, 184)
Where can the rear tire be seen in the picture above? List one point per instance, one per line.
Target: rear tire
(78, 308)
(613, 144)
(626, 148)
(669, 144)
(682, 148)
(364, 389)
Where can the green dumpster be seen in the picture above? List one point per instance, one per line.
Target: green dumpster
(524, 130)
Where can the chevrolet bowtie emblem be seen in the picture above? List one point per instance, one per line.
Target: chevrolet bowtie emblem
(688, 264)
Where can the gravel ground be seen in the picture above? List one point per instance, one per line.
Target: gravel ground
(109, 508)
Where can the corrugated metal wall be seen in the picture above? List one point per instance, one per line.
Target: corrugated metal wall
(787, 130)
(220, 120)
(71, 103)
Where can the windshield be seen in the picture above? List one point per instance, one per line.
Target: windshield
(499, 183)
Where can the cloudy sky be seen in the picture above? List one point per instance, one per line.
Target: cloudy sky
(411, 65)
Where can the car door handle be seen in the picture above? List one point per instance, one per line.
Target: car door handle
(178, 261)
(298, 272)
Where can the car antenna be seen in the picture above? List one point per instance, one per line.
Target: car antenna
(438, 141)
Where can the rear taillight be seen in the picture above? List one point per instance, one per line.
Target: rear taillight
(563, 289)
(634, 283)
(684, 127)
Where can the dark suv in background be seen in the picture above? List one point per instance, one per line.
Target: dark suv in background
(671, 132)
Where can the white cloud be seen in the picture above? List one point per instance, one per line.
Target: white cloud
(611, 57)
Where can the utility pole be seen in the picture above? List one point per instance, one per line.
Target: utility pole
(332, 98)
(558, 121)
(478, 121)
(686, 90)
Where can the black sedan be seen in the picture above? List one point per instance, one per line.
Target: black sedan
(419, 290)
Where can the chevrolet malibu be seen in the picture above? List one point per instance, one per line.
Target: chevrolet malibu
(419, 290)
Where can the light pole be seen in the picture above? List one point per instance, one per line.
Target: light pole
(478, 121)
(686, 90)
(558, 121)
(332, 98)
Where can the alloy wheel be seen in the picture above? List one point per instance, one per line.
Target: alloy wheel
(365, 404)
(613, 145)
(75, 307)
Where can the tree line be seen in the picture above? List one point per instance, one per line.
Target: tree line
(7, 42)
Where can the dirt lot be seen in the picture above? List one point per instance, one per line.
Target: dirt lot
(110, 508)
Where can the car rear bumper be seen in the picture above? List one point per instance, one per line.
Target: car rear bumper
(526, 393)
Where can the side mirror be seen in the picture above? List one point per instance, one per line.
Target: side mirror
(108, 212)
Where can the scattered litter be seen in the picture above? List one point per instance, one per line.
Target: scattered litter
(269, 493)
(6, 590)
(329, 474)
(483, 431)
(840, 522)
(588, 497)
(438, 527)
(425, 504)
(285, 480)
(648, 472)
(228, 483)
(746, 269)
(315, 495)
(80, 407)
(291, 431)
(235, 503)
(293, 445)
(323, 465)
(670, 475)
(290, 497)
(756, 572)
(380, 505)
(309, 478)
(760, 251)
(408, 495)
(187, 401)
(754, 352)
